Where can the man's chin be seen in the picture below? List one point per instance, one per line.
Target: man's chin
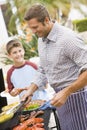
(39, 35)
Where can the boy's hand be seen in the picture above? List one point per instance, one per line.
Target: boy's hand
(14, 92)
(17, 91)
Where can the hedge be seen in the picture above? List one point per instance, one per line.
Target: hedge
(80, 25)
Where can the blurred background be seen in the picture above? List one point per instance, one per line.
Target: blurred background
(70, 13)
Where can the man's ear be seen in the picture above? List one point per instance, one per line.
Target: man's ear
(46, 20)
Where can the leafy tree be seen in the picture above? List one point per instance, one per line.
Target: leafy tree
(53, 6)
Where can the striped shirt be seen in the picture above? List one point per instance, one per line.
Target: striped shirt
(63, 56)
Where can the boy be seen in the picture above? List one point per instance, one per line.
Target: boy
(20, 75)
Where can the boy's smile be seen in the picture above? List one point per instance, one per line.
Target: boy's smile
(17, 55)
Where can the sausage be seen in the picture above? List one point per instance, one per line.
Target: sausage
(20, 127)
(33, 121)
(39, 125)
(35, 114)
(27, 123)
(34, 128)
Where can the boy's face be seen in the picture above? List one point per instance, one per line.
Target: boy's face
(17, 54)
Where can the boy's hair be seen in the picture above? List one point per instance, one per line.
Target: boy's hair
(37, 11)
(11, 44)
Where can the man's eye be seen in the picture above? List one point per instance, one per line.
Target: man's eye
(35, 27)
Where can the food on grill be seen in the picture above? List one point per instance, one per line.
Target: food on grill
(36, 113)
(5, 108)
(22, 118)
(34, 104)
(30, 124)
(35, 127)
(32, 114)
(5, 117)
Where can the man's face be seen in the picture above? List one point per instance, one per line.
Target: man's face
(38, 28)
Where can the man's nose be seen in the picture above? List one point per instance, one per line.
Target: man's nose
(34, 30)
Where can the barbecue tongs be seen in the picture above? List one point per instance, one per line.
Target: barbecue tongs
(46, 105)
(17, 108)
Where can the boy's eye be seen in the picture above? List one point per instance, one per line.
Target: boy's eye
(20, 50)
(14, 52)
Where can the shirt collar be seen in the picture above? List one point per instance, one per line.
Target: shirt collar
(53, 35)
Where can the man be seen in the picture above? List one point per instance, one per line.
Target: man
(63, 62)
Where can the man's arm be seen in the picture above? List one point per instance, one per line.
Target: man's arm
(32, 88)
(40, 80)
(60, 98)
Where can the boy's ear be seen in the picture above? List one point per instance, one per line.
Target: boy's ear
(9, 56)
(24, 50)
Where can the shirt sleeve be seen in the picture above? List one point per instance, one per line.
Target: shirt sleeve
(40, 79)
(76, 50)
(9, 84)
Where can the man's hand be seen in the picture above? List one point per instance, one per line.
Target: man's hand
(29, 93)
(60, 98)
(27, 97)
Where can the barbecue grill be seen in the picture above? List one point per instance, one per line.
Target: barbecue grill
(8, 125)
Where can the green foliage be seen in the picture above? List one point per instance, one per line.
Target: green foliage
(80, 25)
(5, 60)
(30, 48)
(22, 5)
(11, 19)
(12, 24)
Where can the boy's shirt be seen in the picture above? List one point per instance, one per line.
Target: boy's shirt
(20, 77)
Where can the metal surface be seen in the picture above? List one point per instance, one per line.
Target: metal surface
(17, 108)
(46, 116)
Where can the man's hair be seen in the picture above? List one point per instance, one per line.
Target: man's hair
(37, 11)
(11, 44)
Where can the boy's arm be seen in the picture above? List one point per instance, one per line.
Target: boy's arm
(17, 91)
(14, 92)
